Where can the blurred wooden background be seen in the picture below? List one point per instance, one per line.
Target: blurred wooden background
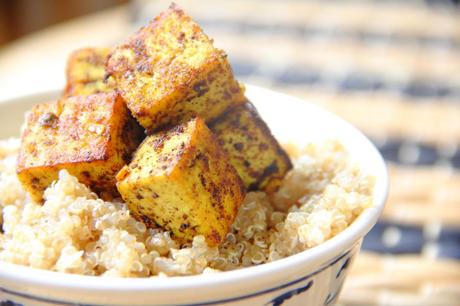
(390, 67)
(21, 17)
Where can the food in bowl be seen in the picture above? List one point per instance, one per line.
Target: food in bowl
(260, 212)
(86, 73)
(74, 231)
(252, 150)
(170, 72)
(181, 179)
(91, 137)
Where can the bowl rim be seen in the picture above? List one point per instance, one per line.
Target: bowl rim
(323, 253)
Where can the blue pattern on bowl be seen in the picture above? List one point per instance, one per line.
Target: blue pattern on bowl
(296, 292)
(286, 296)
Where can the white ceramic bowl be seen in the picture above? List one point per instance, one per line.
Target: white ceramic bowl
(313, 277)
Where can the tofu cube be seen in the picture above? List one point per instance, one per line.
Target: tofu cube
(181, 180)
(169, 72)
(91, 137)
(253, 151)
(86, 72)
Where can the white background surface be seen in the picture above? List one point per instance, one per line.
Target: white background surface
(36, 63)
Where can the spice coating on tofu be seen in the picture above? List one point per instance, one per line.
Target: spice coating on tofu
(253, 151)
(181, 180)
(169, 72)
(86, 72)
(91, 137)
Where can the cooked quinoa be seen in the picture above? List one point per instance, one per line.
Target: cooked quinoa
(76, 232)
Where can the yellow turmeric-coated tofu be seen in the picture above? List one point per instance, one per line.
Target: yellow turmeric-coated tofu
(253, 151)
(169, 72)
(86, 72)
(181, 179)
(91, 137)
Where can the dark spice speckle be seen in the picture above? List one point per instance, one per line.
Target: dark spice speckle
(47, 120)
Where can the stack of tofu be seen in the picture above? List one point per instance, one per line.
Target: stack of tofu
(205, 145)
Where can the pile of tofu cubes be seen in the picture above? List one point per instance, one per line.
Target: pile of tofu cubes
(160, 121)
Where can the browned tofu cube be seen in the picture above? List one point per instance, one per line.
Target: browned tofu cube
(86, 72)
(91, 137)
(253, 151)
(170, 72)
(181, 180)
